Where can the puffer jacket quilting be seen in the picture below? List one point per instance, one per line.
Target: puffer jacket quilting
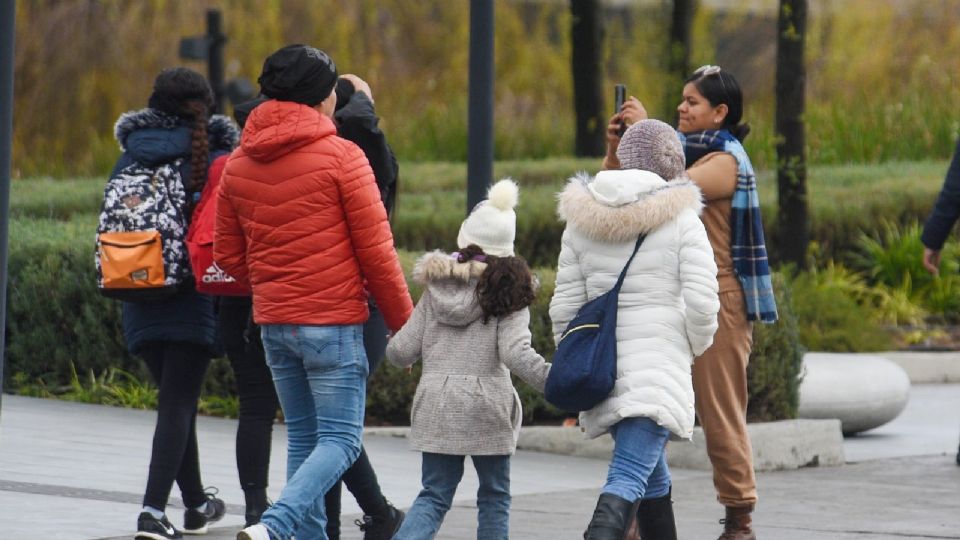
(667, 310)
(299, 218)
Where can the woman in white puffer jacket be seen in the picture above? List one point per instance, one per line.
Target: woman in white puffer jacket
(667, 311)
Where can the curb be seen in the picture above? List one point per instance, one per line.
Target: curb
(786, 444)
(926, 367)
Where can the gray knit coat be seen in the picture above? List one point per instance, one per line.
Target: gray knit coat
(465, 403)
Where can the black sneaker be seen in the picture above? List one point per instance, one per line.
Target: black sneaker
(195, 521)
(151, 528)
(381, 527)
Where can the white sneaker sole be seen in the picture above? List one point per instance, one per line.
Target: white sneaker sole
(150, 536)
(253, 533)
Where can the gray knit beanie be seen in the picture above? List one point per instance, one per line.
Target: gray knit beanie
(654, 146)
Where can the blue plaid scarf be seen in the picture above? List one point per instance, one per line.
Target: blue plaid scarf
(747, 246)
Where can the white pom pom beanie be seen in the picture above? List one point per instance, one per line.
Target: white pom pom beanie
(492, 225)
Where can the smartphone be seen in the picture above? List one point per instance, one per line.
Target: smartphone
(619, 96)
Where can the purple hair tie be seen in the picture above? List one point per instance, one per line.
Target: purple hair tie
(459, 257)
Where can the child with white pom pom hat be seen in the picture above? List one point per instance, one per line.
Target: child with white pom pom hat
(471, 329)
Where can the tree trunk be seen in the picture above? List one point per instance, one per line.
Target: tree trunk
(678, 54)
(587, 36)
(792, 220)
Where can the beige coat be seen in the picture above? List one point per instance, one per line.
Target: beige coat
(465, 403)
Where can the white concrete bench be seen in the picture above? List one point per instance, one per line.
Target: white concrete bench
(862, 391)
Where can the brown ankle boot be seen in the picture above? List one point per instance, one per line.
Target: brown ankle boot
(738, 524)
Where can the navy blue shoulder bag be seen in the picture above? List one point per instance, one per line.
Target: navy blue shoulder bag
(585, 363)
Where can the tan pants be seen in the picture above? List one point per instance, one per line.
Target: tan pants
(720, 387)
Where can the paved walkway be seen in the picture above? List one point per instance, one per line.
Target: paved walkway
(74, 471)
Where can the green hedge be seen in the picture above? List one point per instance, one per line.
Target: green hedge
(58, 322)
(844, 201)
(55, 316)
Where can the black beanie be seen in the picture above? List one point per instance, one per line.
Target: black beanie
(242, 110)
(298, 73)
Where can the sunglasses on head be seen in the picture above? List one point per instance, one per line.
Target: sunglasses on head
(707, 71)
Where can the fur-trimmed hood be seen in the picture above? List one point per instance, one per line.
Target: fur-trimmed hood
(452, 286)
(616, 206)
(221, 130)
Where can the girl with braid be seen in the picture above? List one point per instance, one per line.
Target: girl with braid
(175, 337)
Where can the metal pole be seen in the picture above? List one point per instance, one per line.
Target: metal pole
(480, 114)
(7, 17)
(215, 57)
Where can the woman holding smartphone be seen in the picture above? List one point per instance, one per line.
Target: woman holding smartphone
(710, 113)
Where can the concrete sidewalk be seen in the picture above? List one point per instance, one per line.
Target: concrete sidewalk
(74, 471)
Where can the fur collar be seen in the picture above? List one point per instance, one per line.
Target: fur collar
(605, 223)
(437, 265)
(221, 130)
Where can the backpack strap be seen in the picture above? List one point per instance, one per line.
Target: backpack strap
(623, 273)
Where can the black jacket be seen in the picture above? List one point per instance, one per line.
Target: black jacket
(358, 122)
(947, 208)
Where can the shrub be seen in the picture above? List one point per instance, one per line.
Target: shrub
(390, 395)
(773, 376)
(892, 257)
(536, 410)
(830, 317)
(57, 322)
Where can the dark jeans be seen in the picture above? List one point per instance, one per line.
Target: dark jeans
(258, 398)
(178, 370)
(360, 478)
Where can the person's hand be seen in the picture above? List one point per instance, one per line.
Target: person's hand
(633, 111)
(610, 161)
(359, 84)
(931, 260)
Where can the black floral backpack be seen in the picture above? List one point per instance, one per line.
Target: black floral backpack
(141, 251)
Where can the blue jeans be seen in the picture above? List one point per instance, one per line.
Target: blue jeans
(320, 373)
(639, 465)
(441, 475)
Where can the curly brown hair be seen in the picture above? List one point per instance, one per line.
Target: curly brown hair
(505, 286)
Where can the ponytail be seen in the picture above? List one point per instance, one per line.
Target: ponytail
(740, 131)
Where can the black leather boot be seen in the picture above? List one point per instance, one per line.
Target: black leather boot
(655, 519)
(257, 504)
(611, 518)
